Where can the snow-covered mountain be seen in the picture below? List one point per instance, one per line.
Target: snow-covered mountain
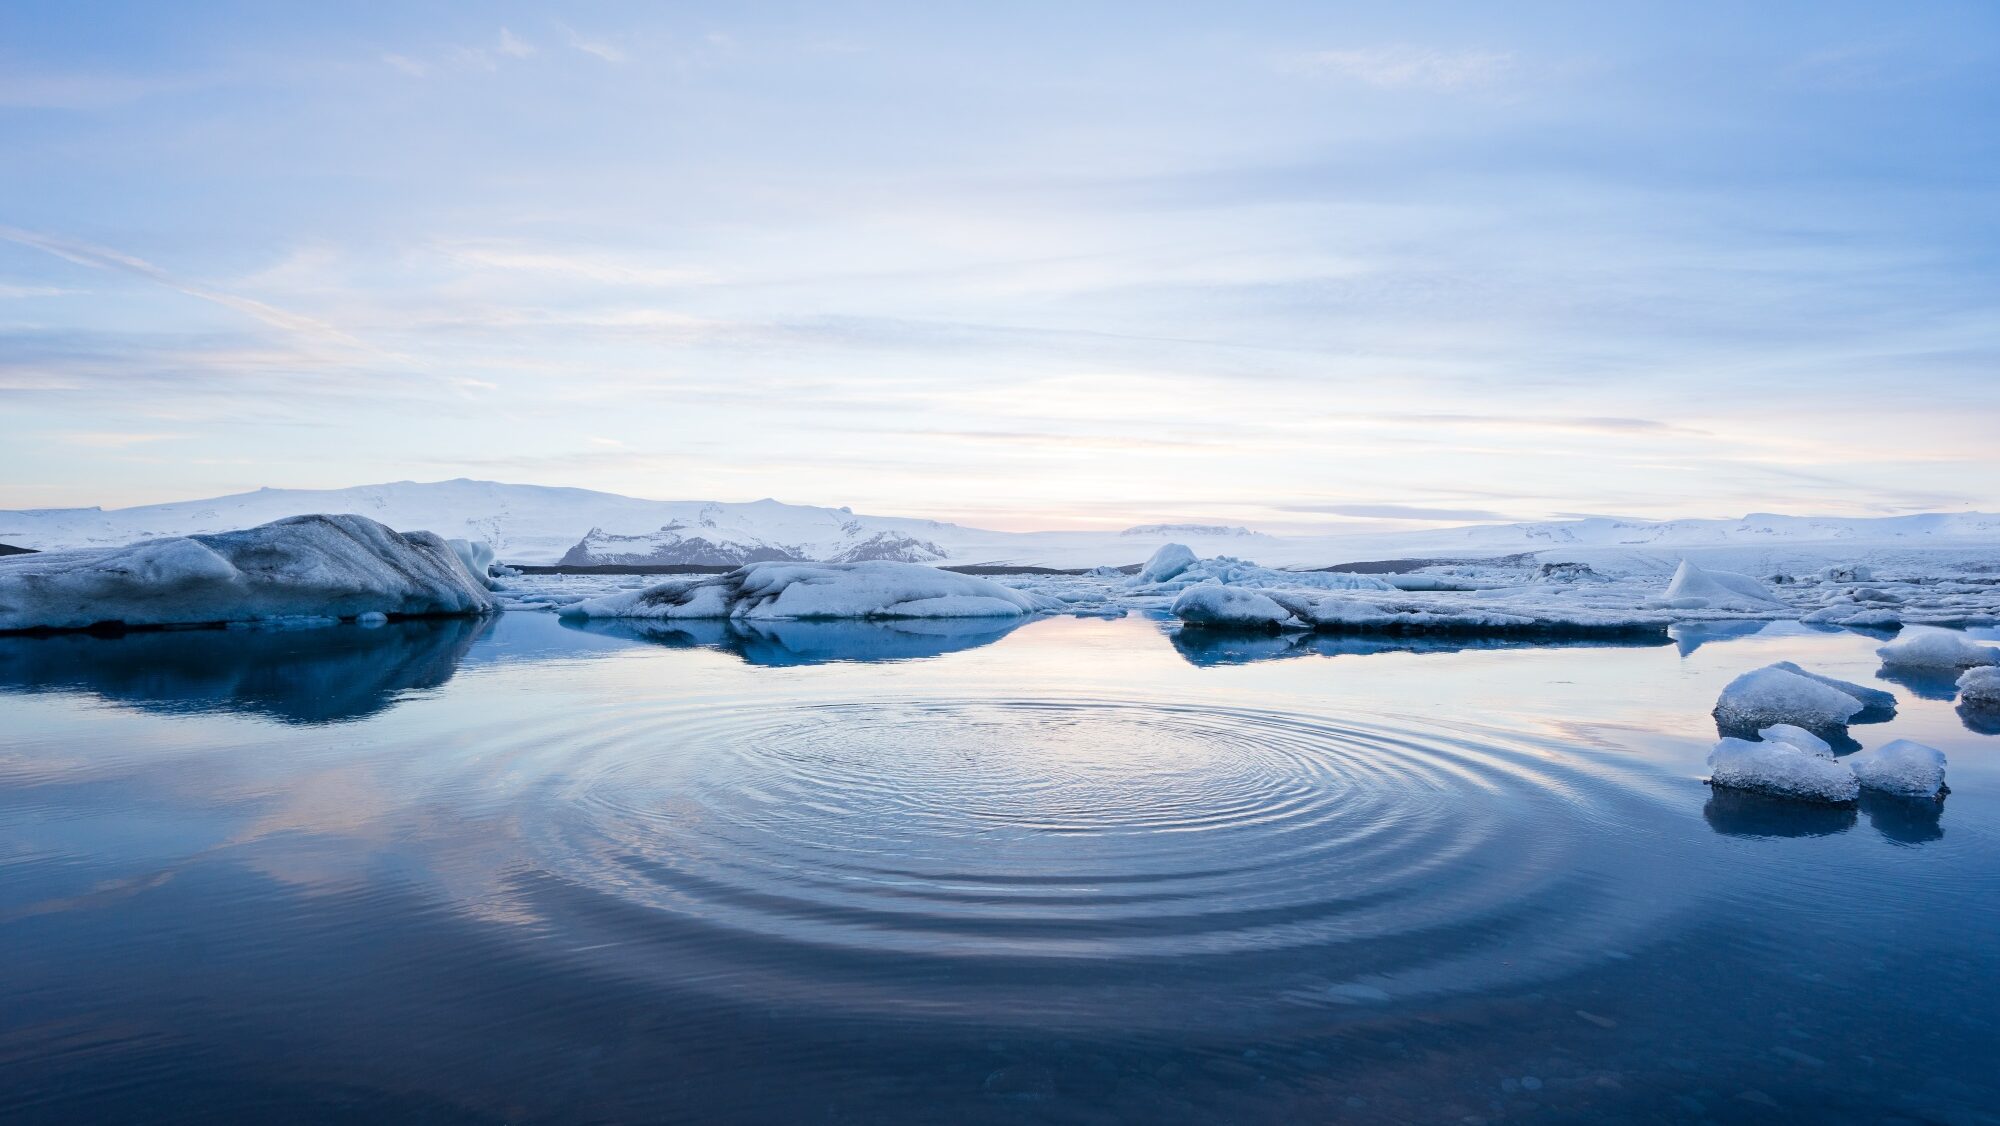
(539, 524)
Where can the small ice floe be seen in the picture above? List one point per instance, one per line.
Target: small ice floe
(875, 589)
(1782, 769)
(1979, 688)
(1903, 769)
(1797, 737)
(1693, 588)
(295, 569)
(1848, 573)
(1227, 607)
(1923, 647)
(1779, 695)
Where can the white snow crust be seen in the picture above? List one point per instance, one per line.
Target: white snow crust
(1919, 648)
(1773, 695)
(1781, 769)
(1902, 768)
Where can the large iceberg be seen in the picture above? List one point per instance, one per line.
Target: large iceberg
(1779, 695)
(820, 591)
(1921, 647)
(1902, 768)
(1781, 769)
(324, 567)
(1693, 588)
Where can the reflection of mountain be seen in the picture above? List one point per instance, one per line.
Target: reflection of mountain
(328, 675)
(1226, 647)
(779, 642)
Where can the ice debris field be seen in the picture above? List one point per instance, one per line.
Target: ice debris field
(1783, 728)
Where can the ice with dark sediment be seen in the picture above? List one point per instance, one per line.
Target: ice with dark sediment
(827, 591)
(300, 569)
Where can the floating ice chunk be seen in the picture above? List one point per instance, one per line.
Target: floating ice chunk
(1772, 695)
(1781, 770)
(1879, 704)
(1902, 768)
(1797, 737)
(1693, 588)
(1851, 573)
(1980, 688)
(875, 589)
(297, 568)
(1167, 562)
(1215, 605)
(1925, 647)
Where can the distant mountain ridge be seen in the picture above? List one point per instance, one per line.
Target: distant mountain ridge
(543, 524)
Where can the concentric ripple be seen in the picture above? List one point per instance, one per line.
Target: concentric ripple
(1090, 856)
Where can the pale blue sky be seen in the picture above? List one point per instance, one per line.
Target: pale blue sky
(1295, 266)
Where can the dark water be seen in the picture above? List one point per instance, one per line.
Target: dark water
(1078, 871)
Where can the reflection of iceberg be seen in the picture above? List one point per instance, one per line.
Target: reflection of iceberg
(1741, 813)
(1903, 820)
(1926, 684)
(1230, 647)
(327, 675)
(792, 642)
(1690, 636)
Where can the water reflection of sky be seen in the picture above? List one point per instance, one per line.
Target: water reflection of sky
(851, 860)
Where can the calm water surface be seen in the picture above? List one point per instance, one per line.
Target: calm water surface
(1078, 871)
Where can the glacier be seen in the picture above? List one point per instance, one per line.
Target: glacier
(300, 569)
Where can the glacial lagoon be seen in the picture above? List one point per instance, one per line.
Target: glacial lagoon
(1066, 870)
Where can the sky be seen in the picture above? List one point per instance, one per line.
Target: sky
(1305, 267)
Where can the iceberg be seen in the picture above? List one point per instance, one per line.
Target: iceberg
(1980, 688)
(302, 567)
(477, 556)
(1782, 770)
(1693, 588)
(1921, 647)
(1775, 695)
(1170, 560)
(1877, 704)
(1903, 769)
(1228, 607)
(825, 591)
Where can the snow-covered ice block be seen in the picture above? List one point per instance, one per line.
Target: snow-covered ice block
(1980, 688)
(1902, 768)
(1170, 560)
(1781, 770)
(1924, 647)
(293, 569)
(876, 589)
(1215, 605)
(1773, 695)
(1693, 588)
(1878, 703)
(1797, 737)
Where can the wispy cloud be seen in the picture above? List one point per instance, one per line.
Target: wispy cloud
(104, 258)
(114, 440)
(601, 48)
(1399, 512)
(1403, 67)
